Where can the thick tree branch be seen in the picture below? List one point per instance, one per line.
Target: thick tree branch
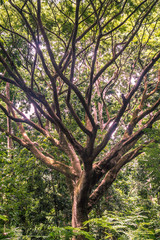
(31, 146)
(121, 148)
(6, 79)
(15, 138)
(111, 176)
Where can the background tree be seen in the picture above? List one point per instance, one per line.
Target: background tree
(89, 69)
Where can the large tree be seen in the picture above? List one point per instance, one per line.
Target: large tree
(89, 69)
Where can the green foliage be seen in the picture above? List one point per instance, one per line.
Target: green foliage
(11, 233)
(150, 160)
(66, 233)
(130, 209)
(31, 201)
(4, 218)
(122, 226)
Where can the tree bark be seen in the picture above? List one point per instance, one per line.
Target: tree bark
(80, 204)
(79, 212)
(79, 216)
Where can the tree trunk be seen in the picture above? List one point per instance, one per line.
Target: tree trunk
(79, 215)
(9, 140)
(79, 205)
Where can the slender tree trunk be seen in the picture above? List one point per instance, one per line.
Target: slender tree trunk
(9, 140)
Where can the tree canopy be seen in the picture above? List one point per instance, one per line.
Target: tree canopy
(80, 87)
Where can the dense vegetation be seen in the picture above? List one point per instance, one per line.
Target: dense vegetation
(79, 119)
